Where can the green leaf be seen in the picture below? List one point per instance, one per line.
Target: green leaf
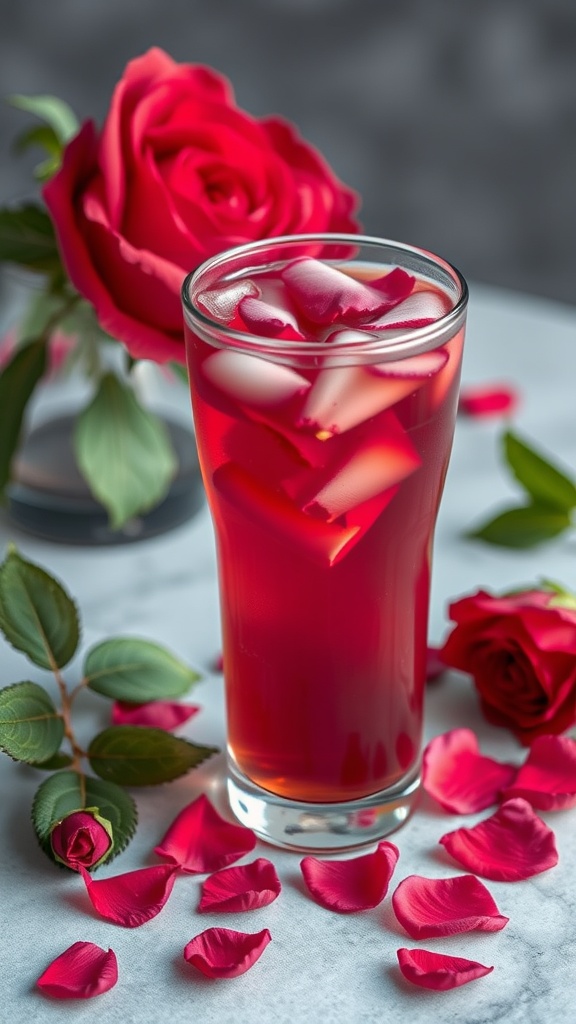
(544, 482)
(135, 756)
(65, 792)
(37, 616)
(136, 671)
(124, 452)
(523, 527)
(27, 238)
(52, 764)
(30, 727)
(44, 136)
(17, 382)
(54, 111)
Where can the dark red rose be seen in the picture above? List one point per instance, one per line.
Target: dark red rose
(521, 652)
(177, 174)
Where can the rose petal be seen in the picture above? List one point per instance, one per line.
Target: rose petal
(241, 888)
(547, 779)
(512, 845)
(438, 971)
(326, 295)
(223, 953)
(418, 310)
(488, 400)
(133, 898)
(80, 972)
(160, 714)
(350, 885)
(435, 667)
(270, 321)
(456, 775)
(427, 907)
(200, 841)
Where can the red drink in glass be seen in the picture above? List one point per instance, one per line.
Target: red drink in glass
(324, 385)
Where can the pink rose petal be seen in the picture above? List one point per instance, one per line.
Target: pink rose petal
(326, 295)
(350, 885)
(418, 310)
(488, 400)
(80, 972)
(438, 971)
(547, 779)
(223, 953)
(241, 888)
(427, 907)
(159, 714)
(512, 845)
(269, 320)
(456, 775)
(200, 841)
(133, 898)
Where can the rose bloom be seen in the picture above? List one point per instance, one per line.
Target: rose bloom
(83, 837)
(521, 652)
(177, 174)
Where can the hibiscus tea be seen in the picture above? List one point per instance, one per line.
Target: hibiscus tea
(324, 376)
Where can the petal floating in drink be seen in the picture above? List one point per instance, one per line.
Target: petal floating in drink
(325, 295)
(418, 310)
(253, 380)
(326, 543)
(221, 303)
(269, 321)
(420, 366)
(341, 397)
(450, 373)
(371, 470)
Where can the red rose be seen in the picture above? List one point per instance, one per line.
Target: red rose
(521, 652)
(178, 174)
(83, 837)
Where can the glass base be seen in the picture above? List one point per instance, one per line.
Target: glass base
(329, 828)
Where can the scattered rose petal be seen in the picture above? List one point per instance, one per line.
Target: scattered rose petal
(488, 400)
(241, 888)
(435, 667)
(547, 779)
(438, 971)
(359, 883)
(456, 775)
(512, 845)
(427, 907)
(200, 841)
(223, 953)
(133, 898)
(159, 714)
(80, 972)
(219, 663)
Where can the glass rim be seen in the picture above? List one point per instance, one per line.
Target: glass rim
(407, 341)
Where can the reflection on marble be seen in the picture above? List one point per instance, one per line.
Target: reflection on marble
(319, 966)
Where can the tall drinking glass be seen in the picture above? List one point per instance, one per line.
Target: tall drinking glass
(324, 374)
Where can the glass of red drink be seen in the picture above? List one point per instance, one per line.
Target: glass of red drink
(324, 373)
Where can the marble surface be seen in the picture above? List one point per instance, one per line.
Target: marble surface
(319, 966)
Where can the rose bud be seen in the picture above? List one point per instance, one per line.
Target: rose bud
(82, 837)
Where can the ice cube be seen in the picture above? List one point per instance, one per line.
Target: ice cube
(341, 397)
(221, 303)
(250, 379)
(325, 543)
(326, 295)
(269, 320)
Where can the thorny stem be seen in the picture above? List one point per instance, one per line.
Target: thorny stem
(67, 698)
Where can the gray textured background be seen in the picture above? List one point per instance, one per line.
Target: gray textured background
(455, 120)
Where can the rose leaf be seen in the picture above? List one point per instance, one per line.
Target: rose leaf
(137, 756)
(136, 671)
(522, 527)
(17, 382)
(31, 729)
(27, 238)
(37, 616)
(67, 791)
(123, 451)
(544, 482)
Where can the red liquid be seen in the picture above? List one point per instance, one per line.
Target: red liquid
(324, 492)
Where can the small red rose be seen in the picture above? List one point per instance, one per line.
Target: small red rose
(82, 838)
(521, 652)
(178, 173)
